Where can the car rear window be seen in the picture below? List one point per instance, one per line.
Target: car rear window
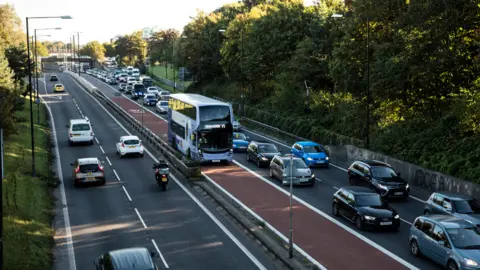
(131, 142)
(88, 168)
(80, 127)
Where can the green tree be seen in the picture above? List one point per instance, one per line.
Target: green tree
(131, 49)
(11, 33)
(17, 61)
(7, 96)
(109, 49)
(94, 49)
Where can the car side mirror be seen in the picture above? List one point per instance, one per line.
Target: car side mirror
(95, 263)
(152, 254)
(441, 243)
(67, 126)
(280, 151)
(248, 138)
(399, 173)
(71, 164)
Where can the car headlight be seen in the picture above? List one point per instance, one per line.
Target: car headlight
(382, 187)
(284, 175)
(313, 175)
(327, 158)
(470, 262)
(309, 158)
(407, 186)
(396, 217)
(264, 158)
(369, 218)
(235, 145)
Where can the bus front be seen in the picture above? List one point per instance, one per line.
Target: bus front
(214, 133)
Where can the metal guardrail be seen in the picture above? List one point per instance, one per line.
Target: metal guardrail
(190, 171)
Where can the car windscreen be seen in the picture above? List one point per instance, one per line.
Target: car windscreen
(239, 136)
(58, 85)
(465, 238)
(313, 149)
(214, 113)
(139, 87)
(164, 103)
(297, 163)
(383, 172)
(131, 142)
(88, 168)
(150, 97)
(267, 148)
(369, 200)
(467, 206)
(80, 127)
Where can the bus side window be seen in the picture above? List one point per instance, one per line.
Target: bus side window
(192, 137)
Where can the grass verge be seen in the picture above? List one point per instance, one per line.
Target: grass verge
(159, 71)
(27, 201)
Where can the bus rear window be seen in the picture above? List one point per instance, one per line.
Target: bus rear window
(214, 113)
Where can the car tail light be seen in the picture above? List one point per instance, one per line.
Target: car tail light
(156, 170)
(71, 135)
(91, 133)
(77, 169)
(139, 144)
(348, 171)
(100, 167)
(163, 175)
(123, 145)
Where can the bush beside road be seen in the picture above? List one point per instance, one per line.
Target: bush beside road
(27, 201)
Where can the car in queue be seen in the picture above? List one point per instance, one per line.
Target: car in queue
(365, 208)
(152, 90)
(111, 80)
(88, 170)
(129, 88)
(313, 154)
(58, 88)
(138, 91)
(289, 168)
(131, 79)
(53, 78)
(149, 100)
(240, 141)
(80, 131)
(457, 205)
(128, 258)
(261, 153)
(162, 106)
(236, 125)
(129, 146)
(164, 95)
(378, 176)
(122, 86)
(450, 242)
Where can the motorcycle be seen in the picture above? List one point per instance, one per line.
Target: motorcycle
(162, 171)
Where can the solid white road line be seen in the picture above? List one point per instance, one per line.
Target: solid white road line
(161, 256)
(116, 175)
(209, 214)
(141, 219)
(101, 148)
(97, 140)
(66, 216)
(108, 160)
(126, 193)
(326, 216)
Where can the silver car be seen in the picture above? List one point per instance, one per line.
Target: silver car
(88, 170)
(280, 169)
(162, 106)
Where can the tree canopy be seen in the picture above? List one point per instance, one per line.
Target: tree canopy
(94, 49)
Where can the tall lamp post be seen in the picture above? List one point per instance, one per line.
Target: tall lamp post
(78, 49)
(367, 52)
(29, 65)
(36, 65)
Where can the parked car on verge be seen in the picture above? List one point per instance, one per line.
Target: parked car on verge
(380, 177)
(365, 208)
(457, 205)
(240, 141)
(87, 170)
(129, 145)
(261, 153)
(313, 154)
(149, 100)
(80, 131)
(129, 258)
(162, 106)
(448, 241)
(290, 168)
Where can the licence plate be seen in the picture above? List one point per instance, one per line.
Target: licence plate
(164, 179)
(76, 134)
(90, 178)
(131, 147)
(216, 161)
(89, 174)
(321, 161)
(386, 223)
(398, 193)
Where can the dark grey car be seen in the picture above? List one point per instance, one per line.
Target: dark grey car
(128, 258)
(458, 205)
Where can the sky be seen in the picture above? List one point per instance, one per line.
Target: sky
(104, 19)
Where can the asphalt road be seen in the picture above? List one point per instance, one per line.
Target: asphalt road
(108, 217)
(320, 196)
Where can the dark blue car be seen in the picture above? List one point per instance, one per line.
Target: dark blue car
(313, 154)
(240, 142)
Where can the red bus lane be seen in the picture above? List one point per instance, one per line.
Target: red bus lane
(329, 244)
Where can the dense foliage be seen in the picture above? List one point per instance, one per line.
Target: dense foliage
(421, 67)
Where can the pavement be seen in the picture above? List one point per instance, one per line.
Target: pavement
(328, 240)
(184, 229)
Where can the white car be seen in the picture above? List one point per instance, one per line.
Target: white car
(164, 95)
(129, 145)
(80, 131)
(236, 126)
(152, 90)
(162, 106)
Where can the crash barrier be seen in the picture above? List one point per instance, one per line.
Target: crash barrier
(189, 169)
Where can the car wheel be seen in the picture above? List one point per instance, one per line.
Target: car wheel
(141, 155)
(335, 209)
(452, 265)
(75, 183)
(414, 249)
(270, 173)
(248, 157)
(359, 222)
(258, 163)
(70, 143)
(426, 212)
(91, 142)
(102, 182)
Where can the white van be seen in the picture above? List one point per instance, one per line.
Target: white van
(80, 131)
(136, 73)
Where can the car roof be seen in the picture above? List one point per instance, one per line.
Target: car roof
(130, 137)
(53, 75)
(90, 160)
(358, 190)
(58, 84)
(374, 163)
(79, 121)
(131, 258)
(262, 143)
(287, 157)
(307, 143)
(449, 221)
(455, 196)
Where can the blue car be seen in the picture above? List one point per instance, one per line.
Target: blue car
(313, 154)
(449, 241)
(240, 142)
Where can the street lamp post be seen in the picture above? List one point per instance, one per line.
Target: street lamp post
(367, 124)
(290, 231)
(78, 50)
(29, 65)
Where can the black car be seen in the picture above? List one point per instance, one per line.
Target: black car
(365, 208)
(53, 78)
(380, 177)
(261, 153)
(129, 258)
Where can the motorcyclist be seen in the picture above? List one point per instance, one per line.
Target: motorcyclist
(162, 170)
